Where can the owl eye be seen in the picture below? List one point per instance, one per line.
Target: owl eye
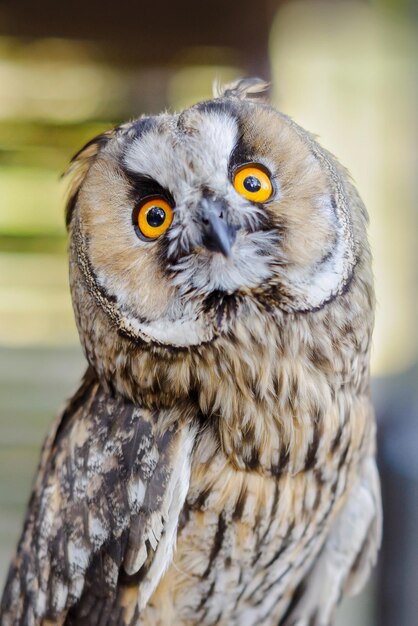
(153, 216)
(253, 182)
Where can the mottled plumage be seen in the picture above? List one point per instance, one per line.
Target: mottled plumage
(217, 464)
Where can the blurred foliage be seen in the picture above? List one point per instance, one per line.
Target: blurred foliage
(35, 306)
(32, 158)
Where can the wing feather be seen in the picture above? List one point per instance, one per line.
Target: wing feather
(110, 487)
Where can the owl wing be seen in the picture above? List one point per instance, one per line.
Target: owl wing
(103, 514)
(344, 563)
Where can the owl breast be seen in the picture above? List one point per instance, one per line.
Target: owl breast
(245, 542)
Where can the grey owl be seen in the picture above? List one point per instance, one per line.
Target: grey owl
(216, 465)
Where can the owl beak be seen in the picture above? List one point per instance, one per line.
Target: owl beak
(218, 235)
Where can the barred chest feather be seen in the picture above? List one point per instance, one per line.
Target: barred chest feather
(245, 540)
(256, 517)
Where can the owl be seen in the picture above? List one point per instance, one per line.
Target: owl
(216, 465)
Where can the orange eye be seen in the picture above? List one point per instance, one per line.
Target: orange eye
(154, 217)
(253, 182)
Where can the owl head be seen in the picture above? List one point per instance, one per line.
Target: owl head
(180, 223)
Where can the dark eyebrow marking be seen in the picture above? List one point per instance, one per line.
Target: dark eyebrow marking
(241, 154)
(143, 186)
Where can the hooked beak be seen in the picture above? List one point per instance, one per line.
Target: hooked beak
(218, 235)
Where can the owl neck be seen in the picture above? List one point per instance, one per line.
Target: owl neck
(276, 393)
(277, 390)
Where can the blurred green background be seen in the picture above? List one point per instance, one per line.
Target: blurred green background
(346, 70)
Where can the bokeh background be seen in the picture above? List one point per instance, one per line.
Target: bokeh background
(346, 70)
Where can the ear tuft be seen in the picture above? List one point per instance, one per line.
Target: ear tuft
(243, 89)
(80, 165)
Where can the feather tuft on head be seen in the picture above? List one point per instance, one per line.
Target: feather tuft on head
(243, 89)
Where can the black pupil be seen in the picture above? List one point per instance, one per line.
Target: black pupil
(155, 216)
(252, 184)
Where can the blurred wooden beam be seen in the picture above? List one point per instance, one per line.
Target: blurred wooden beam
(155, 32)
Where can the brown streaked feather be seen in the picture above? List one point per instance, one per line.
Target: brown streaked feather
(348, 554)
(106, 465)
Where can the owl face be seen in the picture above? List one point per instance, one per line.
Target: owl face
(174, 216)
